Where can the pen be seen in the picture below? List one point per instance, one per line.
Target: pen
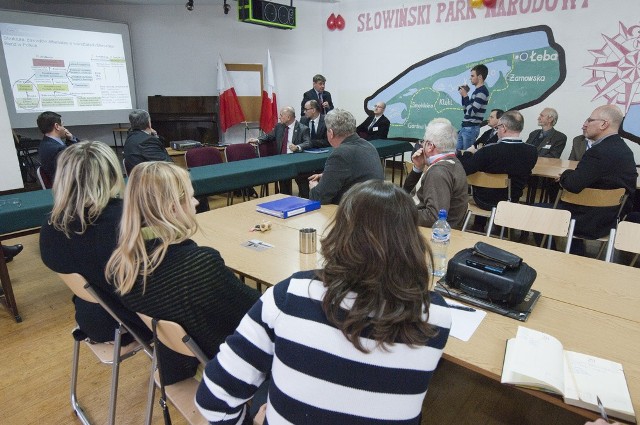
(603, 412)
(461, 307)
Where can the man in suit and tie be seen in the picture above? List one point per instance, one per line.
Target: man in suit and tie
(491, 135)
(55, 140)
(579, 147)
(318, 139)
(548, 141)
(376, 126)
(352, 161)
(318, 94)
(287, 132)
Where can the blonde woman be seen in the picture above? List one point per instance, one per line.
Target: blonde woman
(81, 232)
(353, 343)
(160, 272)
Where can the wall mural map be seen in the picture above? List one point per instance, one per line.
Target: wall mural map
(525, 66)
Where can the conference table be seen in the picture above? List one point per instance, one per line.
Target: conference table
(27, 214)
(589, 305)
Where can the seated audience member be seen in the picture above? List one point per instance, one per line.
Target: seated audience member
(81, 232)
(509, 156)
(143, 143)
(444, 183)
(319, 94)
(608, 164)
(579, 147)
(354, 342)
(162, 273)
(548, 141)
(287, 133)
(314, 120)
(353, 160)
(491, 135)
(376, 126)
(56, 139)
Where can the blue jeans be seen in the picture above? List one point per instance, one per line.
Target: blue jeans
(467, 136)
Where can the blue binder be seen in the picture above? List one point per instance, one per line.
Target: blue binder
(288, 207)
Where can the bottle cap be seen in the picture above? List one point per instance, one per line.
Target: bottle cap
(442, 215)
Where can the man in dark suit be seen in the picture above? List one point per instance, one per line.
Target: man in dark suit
(491, 135)
(55, 140)
(143, 143)
(376, 126)
(352, 161)
(314, 120)
(318, 94)
(286, 133)
(509, 156)
(548, 141)
(607, 164)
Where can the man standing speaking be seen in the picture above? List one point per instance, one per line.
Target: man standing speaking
(474, 107)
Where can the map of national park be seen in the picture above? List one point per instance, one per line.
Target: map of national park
(525, 66)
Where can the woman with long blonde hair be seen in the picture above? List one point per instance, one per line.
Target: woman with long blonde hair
(159, 271)
(353, 343)
(81, 232)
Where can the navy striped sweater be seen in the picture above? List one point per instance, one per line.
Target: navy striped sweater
(475, 107)
(317, 375)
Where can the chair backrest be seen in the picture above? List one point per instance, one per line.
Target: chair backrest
(76, 282)
(173, 336)
(628, 237)
(533, 219)
(46, 182)
(240, 151)
(267, 149)
(488, 180)
(197, 157)
(589, 197)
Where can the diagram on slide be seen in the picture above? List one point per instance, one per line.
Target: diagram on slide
(65, 70)
(525, 67)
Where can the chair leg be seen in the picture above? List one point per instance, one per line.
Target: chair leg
(77, 409)
(152, 388)
(115, 373)
(466, 220)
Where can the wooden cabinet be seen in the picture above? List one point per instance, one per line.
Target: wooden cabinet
(185, 117)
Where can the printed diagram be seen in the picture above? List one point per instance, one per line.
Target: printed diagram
(56, 84)
(525, 66)
(615, 74)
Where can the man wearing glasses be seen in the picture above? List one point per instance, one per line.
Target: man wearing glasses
(548, 141)
(55, 140)
(509, 156)
(607, 164)
(444, 183)
(376, 126)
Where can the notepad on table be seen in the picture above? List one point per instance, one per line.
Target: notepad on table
(536, 360)
(288, 207)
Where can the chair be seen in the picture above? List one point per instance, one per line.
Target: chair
(239, 152)
(107, 353)
(589, 197)
(489, 181)
(534, 219)
(198, 157)
(46, 182)
(625, 238)
(181, 394)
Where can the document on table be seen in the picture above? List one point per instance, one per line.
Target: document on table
(464, 323)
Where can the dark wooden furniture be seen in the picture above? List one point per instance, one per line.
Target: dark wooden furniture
(185, 117)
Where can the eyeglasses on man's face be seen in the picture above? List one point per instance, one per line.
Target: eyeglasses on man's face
(501, 125)
(590, 120)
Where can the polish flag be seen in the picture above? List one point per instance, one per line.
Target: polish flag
(269, 111)
(230, 111)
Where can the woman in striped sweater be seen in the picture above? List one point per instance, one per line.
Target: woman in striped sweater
(353, 343)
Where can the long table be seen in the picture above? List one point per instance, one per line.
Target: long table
(589, 305)
(34, 206)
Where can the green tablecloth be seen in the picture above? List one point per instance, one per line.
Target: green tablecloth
(34, 207)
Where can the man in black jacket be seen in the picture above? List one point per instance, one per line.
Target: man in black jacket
(376, 126)
(143, 143)
(319, 94)
(55, 140)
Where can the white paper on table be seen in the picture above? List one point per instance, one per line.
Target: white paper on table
(464, 323)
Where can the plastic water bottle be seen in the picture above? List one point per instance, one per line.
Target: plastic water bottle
(440, 234)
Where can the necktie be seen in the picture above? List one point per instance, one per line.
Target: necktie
(321, 101)
(373, 122)
(313, 129)
(285, 140)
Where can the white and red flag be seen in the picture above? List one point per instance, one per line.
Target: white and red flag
(269, 110)
(230, 111)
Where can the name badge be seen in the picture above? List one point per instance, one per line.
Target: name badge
(546, 147)
(374, 129)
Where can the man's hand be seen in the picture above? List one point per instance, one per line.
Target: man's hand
(472, 149)
(314, 180)
(153, 132)
(260, 416)
(68, 135)
(418, 158)
(294, 148)
(253, 141)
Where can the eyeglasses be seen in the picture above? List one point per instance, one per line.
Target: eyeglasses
(501, 125)
(378, 106)
(590, 120)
